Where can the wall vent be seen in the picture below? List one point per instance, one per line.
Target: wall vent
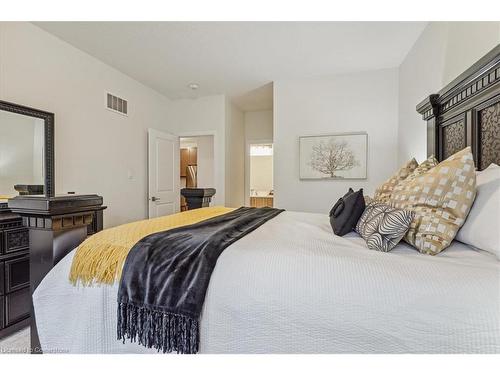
(116, 104)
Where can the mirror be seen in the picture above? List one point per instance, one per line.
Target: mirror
(26, 151)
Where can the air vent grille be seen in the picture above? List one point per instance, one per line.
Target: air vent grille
(116, 104)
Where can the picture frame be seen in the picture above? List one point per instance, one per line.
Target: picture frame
(336, 156)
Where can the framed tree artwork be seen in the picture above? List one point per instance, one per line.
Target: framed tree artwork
(334, 156)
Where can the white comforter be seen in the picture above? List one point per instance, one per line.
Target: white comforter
(291, 286)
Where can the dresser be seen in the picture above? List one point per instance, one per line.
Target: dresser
(15, 297)
(56, 225)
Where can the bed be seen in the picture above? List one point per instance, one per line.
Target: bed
(291, 286)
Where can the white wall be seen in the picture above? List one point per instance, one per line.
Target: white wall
(259, 126)
(346, 103)
(443, 51)
(205, 154)
(467, 42)
(95, 149)
(205, 116)
(235, 157)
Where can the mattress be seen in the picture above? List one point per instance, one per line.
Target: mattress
(291, 286)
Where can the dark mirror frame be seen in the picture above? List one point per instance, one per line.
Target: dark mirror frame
(48, 118)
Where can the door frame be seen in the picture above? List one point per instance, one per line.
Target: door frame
(219, 160)
(249, 143)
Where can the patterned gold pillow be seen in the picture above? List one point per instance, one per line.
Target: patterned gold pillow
(441, 199)
(423, 167)
(383, 193)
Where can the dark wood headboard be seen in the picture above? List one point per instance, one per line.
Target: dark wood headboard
(467, 113)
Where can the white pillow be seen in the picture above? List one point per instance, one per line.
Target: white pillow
(482, 227)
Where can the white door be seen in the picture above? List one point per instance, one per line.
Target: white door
(163, 173)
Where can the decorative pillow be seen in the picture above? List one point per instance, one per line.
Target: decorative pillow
(346, 212)
(368, 200)
(482, 227)
(441, 199)
(383, 226)
(383, 193)
(423, 167)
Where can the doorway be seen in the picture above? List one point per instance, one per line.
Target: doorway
(196, 163)
(260, 179)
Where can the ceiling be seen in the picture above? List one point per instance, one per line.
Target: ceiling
(239, 59)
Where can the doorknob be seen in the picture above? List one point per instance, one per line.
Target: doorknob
(154, 199)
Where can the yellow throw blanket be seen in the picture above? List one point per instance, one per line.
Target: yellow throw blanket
(100, 258)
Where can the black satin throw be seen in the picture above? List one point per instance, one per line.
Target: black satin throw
(166, 276)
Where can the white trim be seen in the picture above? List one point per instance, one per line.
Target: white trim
(198, 133)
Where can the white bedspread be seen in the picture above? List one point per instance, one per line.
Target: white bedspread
(291, 286)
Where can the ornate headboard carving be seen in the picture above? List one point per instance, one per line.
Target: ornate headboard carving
(467, 113)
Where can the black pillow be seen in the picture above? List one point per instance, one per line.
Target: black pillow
(347, 211)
